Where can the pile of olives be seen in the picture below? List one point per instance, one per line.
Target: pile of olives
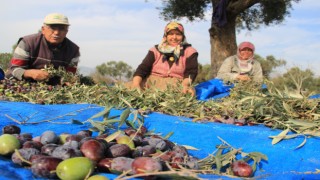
(80, 155)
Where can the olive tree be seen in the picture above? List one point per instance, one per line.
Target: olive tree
(227, 17)
(115, 69)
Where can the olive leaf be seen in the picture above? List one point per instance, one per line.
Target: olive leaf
(113, 136)
(303, 143)
(101, 113)
(279, 137)
(168, 135)
(190, 147)
(124, 116)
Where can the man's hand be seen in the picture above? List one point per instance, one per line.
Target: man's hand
(36, 74)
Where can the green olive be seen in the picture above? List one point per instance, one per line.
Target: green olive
(75, 168)
(8, 143)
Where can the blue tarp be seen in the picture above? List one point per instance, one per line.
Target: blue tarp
(212, 89)
(216, 89)
(284, 161)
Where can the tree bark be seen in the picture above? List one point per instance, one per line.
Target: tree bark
(223, 44)
(223, 39)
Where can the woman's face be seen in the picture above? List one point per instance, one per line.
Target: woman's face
(174, 37)
(54, 34)
(246, 53)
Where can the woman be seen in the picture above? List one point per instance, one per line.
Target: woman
(169, 63)
(241, 67)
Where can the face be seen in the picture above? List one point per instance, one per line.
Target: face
(55, 33)
(174, 37)
(246, 53)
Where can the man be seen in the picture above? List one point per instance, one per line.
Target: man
(48, 47)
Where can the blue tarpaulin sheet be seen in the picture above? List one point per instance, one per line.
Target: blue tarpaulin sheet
(212, 89)
(216, 89)
(284, 161)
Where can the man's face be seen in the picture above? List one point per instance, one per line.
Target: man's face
(55, 33)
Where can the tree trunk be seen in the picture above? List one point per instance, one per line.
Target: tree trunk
(223, 39)
(223, 44)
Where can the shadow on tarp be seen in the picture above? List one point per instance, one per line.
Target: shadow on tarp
(284, 162)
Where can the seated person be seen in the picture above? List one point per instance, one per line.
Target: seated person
(49, 47)
(171, 62)
(241, 67)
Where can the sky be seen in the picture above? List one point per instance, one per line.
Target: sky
(124, 30)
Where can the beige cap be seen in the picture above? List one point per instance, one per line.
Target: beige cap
(56, 18)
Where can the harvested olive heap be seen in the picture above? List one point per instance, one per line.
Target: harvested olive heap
(131, 153)
(247, 104)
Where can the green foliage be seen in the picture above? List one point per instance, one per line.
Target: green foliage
(204, 73)
(264, 12)
(250, 14)
(269, 64)
(299, 81)
(174, 9)
(115, 69)
(100, 79)
(5, 60)
(247, 102)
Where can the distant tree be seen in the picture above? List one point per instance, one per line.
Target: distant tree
(204, 73)
(227, 15)
(100, 79)
(4, 60)
(300, 81)
(269, 64)
(115, 69)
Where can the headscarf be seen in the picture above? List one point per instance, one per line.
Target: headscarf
(245, 66)
(165, 48)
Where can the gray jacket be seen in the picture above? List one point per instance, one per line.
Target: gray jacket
(229, 70)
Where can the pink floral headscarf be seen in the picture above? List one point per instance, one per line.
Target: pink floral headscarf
(246, 45)
(164, 47)
(245, 66)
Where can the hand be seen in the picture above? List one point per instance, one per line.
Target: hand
(36, 74)
(190, 90)
(136, 82)
(243, 77)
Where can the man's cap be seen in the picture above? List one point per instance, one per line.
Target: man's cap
(56, 18)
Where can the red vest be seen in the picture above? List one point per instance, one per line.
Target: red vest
(161, 68)
(41, 55)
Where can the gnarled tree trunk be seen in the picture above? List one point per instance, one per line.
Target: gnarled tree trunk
(223, 39)
(223, 44)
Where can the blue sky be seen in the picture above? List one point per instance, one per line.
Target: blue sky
(124, 30)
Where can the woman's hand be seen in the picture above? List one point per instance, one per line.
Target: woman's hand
(243, 77)
(186, 87)
(136, 82)
(190, 90)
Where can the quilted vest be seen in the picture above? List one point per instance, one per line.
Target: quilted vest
(42, 55)
(161, 68)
